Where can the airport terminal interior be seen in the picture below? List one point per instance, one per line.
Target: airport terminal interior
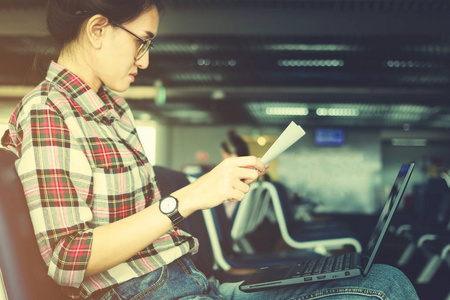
(367, 80)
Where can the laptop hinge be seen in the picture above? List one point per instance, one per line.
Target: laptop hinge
(364, 260)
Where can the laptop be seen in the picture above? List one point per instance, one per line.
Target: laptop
(338, 266)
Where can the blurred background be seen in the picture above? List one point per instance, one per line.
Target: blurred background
(368, 80)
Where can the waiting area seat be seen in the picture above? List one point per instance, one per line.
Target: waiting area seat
(437, 251)
(425, 232)
(23, 269)
(318, 236)
(228, 260)
(435, 220)
(249, 216)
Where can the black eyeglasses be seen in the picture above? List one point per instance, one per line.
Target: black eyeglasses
(145, 45)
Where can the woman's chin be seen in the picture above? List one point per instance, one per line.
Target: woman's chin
(120, 87)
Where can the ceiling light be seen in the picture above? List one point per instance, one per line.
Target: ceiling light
(261, 141)
(337, 112)
(232, 63)
(218, 95)
(409, 142)
(411, 64)
(287, 111)
(430, 49)
(205, 62)
(196, 77)
(307, 47)
(311, 63)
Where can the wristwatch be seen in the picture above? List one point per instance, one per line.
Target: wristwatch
(169, 207)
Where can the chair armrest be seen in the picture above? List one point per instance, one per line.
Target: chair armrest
(426, 237)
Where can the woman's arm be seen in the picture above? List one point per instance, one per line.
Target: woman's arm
(62, 193)
(115, 243)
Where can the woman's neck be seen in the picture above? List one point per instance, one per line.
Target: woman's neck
(78, 65)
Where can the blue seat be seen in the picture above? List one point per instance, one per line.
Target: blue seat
(436, 217)
(23, 269)
(319, 236)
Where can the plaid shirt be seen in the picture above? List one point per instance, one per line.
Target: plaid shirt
(82, 165)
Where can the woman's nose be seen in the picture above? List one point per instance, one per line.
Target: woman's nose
(143, 62)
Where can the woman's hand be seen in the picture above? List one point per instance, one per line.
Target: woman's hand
(229, 180)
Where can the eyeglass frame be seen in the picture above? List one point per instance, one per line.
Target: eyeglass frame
(141, 41)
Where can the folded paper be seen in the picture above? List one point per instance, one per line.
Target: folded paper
(288, 137)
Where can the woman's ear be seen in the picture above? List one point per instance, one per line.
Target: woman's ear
(95, 30)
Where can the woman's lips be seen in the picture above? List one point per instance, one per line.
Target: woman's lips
(132, 76)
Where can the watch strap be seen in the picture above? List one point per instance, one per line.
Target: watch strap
(176, 218)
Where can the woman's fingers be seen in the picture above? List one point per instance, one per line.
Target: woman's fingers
(250, 162)
(235, 195)
(227, 181)
(241, 186)
(247, 174)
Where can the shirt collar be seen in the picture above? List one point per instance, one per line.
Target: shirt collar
(99, 106)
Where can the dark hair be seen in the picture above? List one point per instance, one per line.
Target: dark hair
(65, 17)
(235, 145)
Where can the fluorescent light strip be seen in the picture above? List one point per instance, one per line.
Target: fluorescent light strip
(311, 63)
(287, 111)
(216, 63)
(409, 142)
(307, 47)
(410, 64)
(337, 112)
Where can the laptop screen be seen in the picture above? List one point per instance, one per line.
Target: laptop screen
(386, 214)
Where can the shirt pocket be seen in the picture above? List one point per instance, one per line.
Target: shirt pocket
(114, 192)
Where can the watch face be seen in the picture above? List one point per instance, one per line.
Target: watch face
(168, 205)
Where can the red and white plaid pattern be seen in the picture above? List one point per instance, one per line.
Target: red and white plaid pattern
(82, 165)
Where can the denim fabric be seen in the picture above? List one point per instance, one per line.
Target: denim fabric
(182, 280)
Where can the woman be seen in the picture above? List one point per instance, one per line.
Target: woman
(234, 146)
(100, 224)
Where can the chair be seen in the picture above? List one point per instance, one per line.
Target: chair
(320, 236)
(23, 269)
(437, 251)
(432, 241)
(228, 260)
(435, 220)
(250, 214)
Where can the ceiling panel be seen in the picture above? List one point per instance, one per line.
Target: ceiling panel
(383, 63)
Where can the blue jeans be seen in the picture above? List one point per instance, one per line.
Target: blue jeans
(182, 280)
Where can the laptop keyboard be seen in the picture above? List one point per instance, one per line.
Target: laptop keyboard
(323, 265)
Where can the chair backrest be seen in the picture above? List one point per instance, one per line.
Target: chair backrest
(429, 200)
(283, 198)
(251, 211)
(24, 271)
(168, 181)
(444, 209)
(435, 199)
(320, 241)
